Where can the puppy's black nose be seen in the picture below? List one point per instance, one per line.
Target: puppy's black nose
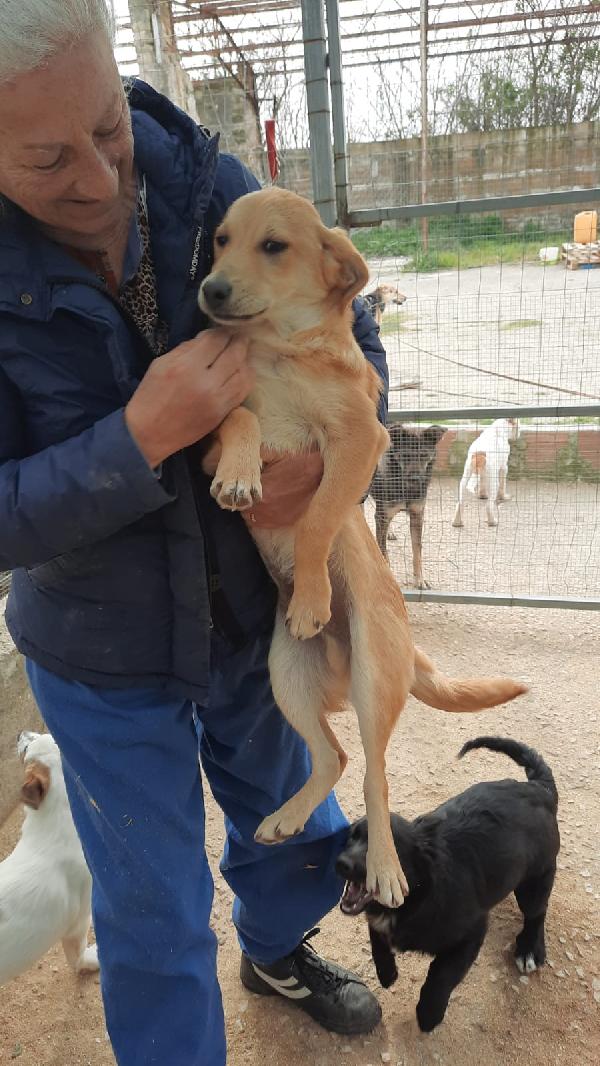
(216, 291)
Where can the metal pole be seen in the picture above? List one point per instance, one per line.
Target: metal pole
(424, 119)
(338, 116)
(319, 115)
(472, 414)
(507, 600)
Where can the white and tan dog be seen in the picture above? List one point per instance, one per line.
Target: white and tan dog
(486, 468)
(45, 885)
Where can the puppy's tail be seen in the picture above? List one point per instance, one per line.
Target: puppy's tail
(531, 761)
(455, 694)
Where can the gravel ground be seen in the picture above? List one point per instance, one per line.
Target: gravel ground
(49, 1018)
(534, 323)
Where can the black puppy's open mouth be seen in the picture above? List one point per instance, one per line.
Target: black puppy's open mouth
(355, 898)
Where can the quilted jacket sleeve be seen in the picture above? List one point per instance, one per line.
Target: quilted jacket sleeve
(99, 479)
(366, 333)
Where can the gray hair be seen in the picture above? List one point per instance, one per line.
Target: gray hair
(33, 31)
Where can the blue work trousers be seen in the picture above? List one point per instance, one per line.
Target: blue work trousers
(131, 767)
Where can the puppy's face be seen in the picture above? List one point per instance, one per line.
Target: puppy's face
(41, 758)
(509, 426)
(352, 866)
(277, 265)
(391, 295)
(415, 449)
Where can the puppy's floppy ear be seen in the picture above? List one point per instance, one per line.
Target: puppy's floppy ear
(434, 434)
(36, 784)
(344, 269)
(398, 434)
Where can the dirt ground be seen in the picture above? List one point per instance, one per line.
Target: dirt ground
(461, 332)
(546, 543)
(50, 1018)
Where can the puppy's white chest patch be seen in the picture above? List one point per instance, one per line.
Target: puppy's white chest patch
(288, 406)
(381, 923)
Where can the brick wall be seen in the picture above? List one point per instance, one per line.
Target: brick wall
(563, 454)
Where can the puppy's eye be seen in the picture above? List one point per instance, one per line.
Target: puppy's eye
(274, 247)
(221, 240)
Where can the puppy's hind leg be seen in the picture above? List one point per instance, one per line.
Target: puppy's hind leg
(445, 973)
(80, 957)
(503, 495)
(378, 694)
(300, 681)
(491, 507)
(532, 897)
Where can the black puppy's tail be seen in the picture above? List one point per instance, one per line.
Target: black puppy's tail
(533, 764)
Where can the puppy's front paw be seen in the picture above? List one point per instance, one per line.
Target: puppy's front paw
(429, 1014)
(236, 490)
(309, 613)
(387, 882)
(277, 828)
(388, 973)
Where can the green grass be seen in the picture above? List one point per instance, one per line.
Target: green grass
(458, 243)
(520, 323)
(397, 323)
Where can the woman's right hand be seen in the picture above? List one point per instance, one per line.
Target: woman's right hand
(187, 393)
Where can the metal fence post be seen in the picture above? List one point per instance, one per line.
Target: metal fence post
(319, 113)
(338, 116)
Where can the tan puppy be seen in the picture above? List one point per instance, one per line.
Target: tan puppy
(286, 282)
(378, 300)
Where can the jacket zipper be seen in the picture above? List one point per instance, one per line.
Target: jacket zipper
(213, 580)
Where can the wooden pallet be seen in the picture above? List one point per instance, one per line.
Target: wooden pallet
(581, 255)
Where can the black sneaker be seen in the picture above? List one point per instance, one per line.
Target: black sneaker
(332, 996)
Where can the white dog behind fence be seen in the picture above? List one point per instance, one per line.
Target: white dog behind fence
(486, 468)
(45, 885)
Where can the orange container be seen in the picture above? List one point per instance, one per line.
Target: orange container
(585, 228)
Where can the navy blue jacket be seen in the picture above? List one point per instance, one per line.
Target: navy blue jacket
(119, 575)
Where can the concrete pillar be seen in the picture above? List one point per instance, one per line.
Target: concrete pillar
(157, 53)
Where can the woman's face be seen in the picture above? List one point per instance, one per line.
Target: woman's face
(66, 147)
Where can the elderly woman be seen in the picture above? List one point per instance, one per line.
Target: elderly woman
(142, 609)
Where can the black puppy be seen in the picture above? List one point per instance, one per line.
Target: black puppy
(460, 861)
(401, 482)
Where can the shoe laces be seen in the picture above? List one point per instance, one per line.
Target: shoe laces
(318, 971)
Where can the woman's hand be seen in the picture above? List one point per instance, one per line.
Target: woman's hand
(288, 484)
(187, 393)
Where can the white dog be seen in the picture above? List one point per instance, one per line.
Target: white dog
(45, 885)
(486, 468)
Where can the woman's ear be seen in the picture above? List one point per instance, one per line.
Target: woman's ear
(344, 269)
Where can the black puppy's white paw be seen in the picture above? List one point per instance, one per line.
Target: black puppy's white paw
(526, 963)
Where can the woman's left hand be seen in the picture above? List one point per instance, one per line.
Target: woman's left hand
(288, 484)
